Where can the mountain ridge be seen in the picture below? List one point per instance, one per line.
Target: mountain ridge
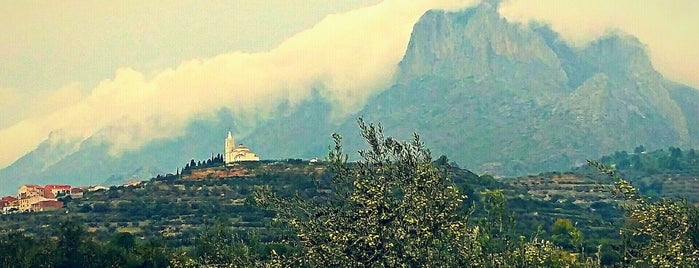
(526, 101)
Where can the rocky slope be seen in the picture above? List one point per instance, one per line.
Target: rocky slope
(512, 99)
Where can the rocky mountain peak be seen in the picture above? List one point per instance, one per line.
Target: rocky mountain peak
(619, 52)
(478, 44)
(522, 99)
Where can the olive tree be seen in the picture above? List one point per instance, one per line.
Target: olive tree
(662, 233)
(392, 208)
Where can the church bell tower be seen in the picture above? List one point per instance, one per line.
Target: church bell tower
(228, 149)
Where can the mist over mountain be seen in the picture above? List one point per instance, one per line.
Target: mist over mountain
(493, 96)
(90, 163)
(510, 99)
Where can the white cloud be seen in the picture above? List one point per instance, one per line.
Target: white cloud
(9, 104)
(668, 28)
(346, 56)
(16, 105)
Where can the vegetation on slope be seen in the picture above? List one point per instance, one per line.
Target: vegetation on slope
(376, 212)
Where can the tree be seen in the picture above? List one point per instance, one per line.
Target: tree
(566, 235)
(219, 246)
(636, 162)
(18, 250)
(123, 240)
(495, 205)
(392, 208)
(675, 152)
(663, 233)
(537, 253)
(68, 249)
(496, 238)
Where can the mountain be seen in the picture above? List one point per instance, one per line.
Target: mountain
(494, 96)
(514, 99)
(303, 132)
(90, 162)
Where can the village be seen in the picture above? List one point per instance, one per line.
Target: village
(37, 198)
(31, 198)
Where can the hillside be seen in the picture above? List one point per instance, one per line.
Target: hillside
(174, 211)
(671, 172)
(179, 206)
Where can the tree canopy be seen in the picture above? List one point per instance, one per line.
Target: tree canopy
(393, 208)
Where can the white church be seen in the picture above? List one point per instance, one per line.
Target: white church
(240, 153)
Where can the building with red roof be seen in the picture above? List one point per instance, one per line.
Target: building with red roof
(8, 204)
(7, 201)
(76, 192)
(54, 190)
(30, 190)
(46, 205)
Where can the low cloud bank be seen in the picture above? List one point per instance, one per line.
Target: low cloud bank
(668, 28)
(347, 57)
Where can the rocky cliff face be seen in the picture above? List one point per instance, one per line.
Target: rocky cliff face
(508, 98)
(479, 45)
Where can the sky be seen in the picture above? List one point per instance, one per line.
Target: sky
(133, 71)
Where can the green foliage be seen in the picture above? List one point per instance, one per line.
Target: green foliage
(394, 195)
(495, 205)
(394, 208)
(68, 252)
(665, 173)
(71, 246)
(220, 245)
(123, 240)
(538, 253)
(660, 233)
(18, 250)
(566, 235)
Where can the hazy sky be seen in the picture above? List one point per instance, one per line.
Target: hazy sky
(48, 45)
(133, 71)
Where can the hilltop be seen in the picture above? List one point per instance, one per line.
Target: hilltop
(177, 210)
(177, 206)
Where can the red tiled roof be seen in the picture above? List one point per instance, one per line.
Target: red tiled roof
(50, 203)
(57, 186)
(8, 199)
(49, 194)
